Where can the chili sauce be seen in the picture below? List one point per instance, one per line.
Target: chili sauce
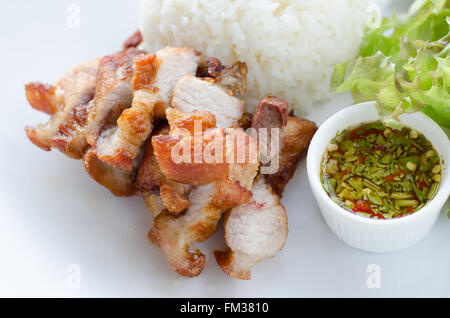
(378, 172)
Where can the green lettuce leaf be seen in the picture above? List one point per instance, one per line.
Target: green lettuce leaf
(404, 64)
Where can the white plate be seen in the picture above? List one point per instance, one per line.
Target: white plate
(53, 215)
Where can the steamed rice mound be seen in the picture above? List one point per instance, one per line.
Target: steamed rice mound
(290, 46)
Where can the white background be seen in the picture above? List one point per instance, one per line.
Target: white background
(52, 214)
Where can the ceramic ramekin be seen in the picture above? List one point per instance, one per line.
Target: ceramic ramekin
(377, 235)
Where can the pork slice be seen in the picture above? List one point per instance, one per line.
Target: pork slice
(253, 231)
(298, 134)
(158, 191)
(176, 235)
(75, 88)
(117, 180)
(70, 138)
(258, 229)
(155, 76)
(192, 94)
(113, 88)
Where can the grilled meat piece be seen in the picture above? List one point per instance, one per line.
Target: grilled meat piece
(253, 231)
(192, 93)
(298, 134)
(75, 88)
(113, 89)
(133, 41)
(175, 235)
(155, 75)
(117, 180)
(158, 191)
(258, 229)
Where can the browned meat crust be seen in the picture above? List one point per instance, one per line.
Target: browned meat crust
(149, 175)
(72, 90)
(117, 180)
(232, 77)
(173, 198)
(246, 121)
(158, 191)
(297, 136)
(175, 235)
(70, 138)
(179, 120)
(133, 41)
(41, 97)
(188, 171)
(154, 78)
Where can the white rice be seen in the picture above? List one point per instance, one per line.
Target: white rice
(290, 46)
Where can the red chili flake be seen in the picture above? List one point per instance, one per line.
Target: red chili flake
(362, 206)
(390, 178)
(420, 185)
(410, 209)
(379, 215)
(344, 172)
(362, 158)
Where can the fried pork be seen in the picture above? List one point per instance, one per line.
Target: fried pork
(62, 102)
(192, 93)
(136, 120)
(154, 77)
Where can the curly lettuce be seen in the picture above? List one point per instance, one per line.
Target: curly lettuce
(404, 65)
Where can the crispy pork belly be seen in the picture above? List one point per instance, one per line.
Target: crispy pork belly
(117, 180)
(42, 97)
(253, 231)
(149, 176)
(113, 90)
(176, 156)
(232, 77)
(155, 76)
(158, 191)
(192, 93)
(133, 41)
(175, 235)
(173, 195)
(181, 123)
(298, 134)
(180, 155)
(204, 157)
(258, 229)
(70, 138)
(75, 88)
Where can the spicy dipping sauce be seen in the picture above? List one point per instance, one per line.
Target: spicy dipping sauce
(378, 172)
